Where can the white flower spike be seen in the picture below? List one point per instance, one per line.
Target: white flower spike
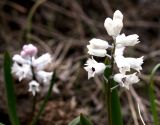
(26, 64)
(33, 87)
(126, 80)
(98, 47)
(94, 68)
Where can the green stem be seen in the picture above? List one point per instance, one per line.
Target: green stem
(34, 105)
(107, 87)
(35, 119)
(30, 16)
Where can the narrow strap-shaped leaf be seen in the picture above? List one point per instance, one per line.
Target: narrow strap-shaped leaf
(75, 121)
(116, 107)
(11, 99)
(112, 99)
(153, 97)
(35, 119)
(84, 120)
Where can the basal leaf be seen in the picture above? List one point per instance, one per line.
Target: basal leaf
(11, 99)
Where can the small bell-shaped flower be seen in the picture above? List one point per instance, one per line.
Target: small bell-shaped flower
(126, 80)
(94, 68)
(44, 77)
(114, 26)
(135, 63)
(96, 52)
(122, 64)
(42, 62)
(22, 72)
(33, 87)
(20, 60)
(119, 51)
(99, 44)
(130, 40)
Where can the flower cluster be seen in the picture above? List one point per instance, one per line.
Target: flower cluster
(27, 66)
(98, 47)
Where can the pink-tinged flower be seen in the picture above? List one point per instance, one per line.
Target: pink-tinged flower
(94, 68)
(126, 80)
(29, 51)
(44, 77)
(22, 72)
(114, 26)
(20, 60)
(33, 87)
(42, 62)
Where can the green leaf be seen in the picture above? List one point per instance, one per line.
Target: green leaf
(11, 99)
(1, 124)
(75, 121)
(112, 101)
(35, 119)
(153, 97)
(116, 107)
(84, 120)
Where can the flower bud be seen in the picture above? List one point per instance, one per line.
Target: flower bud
(29, 51)
(117, 15)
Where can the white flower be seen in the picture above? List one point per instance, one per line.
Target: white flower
(122, 64)
(22, 72)
(33, 87)
(44, 77)
(96, 52)
(94, 68)
(114, 26)
(42, 62)
(29, 51)
(119, 51)
(126, 80)
(130, 40)
(20, 60)
(99, 44)
(135, 63)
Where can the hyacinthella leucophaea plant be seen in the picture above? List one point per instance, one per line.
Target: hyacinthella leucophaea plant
(129, 67)
(26, 66)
